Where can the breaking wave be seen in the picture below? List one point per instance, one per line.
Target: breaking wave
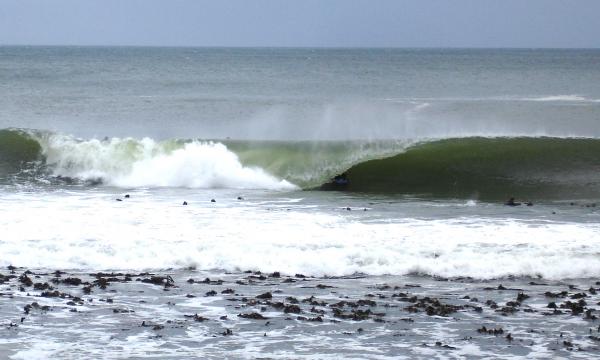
(469, 167)
(487, 168)
(132, 163)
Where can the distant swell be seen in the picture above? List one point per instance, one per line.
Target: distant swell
(566, 98)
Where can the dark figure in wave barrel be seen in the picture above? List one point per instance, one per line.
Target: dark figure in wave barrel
(339, 182)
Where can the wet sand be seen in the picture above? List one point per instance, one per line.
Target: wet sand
(172, 314)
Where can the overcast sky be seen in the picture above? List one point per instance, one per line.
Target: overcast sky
(303, 23)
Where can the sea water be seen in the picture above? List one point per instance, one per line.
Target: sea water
(433, 141)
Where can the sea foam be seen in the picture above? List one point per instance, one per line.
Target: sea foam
(153, 231)
(147, 163)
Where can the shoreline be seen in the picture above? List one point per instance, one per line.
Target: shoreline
(175, 313)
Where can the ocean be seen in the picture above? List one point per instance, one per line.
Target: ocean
(101, 146)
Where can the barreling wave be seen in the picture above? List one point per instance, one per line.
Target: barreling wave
(470, 167)
(487, 168)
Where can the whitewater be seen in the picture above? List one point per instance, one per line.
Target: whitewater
(291, 233)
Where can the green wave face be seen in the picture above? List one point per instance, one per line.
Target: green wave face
(17, 151)
(487, 168)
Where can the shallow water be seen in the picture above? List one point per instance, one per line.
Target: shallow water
(362, 317)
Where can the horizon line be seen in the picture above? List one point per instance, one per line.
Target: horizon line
(302, 47)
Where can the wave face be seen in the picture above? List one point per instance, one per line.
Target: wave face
(17, 150)
(471, 167)
(487, 168)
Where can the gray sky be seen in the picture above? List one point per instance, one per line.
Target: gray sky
(341, 23)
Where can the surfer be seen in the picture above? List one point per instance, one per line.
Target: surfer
(511, 202)
(341, 179)
(338, 182)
